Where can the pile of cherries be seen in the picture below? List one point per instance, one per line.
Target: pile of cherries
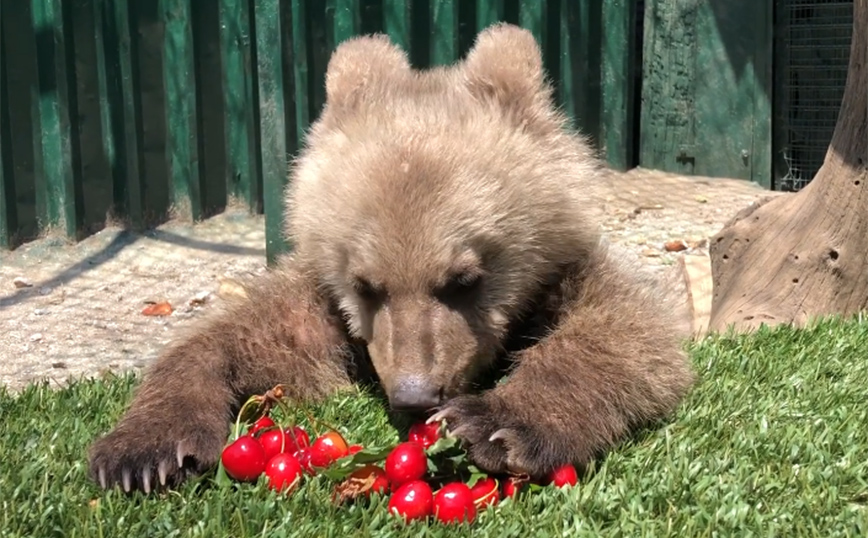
(284, 455)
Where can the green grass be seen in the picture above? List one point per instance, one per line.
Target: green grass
(772, 442)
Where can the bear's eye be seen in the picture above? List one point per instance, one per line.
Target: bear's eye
(459, 286)
(367, 291)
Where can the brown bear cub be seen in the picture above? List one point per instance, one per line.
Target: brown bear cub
(442, 220)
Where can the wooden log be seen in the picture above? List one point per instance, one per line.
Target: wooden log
(700, 287)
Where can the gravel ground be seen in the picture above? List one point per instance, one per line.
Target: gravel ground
(76, 309)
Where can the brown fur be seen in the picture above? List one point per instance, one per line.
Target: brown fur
(440, 217)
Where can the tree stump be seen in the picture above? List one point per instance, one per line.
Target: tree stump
(793, 258)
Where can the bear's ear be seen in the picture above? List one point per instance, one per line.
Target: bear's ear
(505, 64)
(359, 65)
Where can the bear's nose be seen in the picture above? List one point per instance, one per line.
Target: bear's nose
(414, 393)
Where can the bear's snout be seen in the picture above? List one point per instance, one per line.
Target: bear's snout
(415, 393)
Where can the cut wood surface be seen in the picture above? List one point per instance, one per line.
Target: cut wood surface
(697, 278)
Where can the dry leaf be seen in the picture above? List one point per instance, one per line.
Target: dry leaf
(675, 246)
(200, 298)
(353, 487)
(158, 309)
(21, 282)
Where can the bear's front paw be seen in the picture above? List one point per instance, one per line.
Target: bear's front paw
(498, 439)
(145, 453)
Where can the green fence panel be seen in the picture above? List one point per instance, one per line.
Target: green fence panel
(706, 92)
(56, 197)
(397, 21)
(136, 109)
(580, 90)
(147, 33)
(618, 76)
(92, 148)
(319, 48)
(568, 71)
(346, 18)
(444, 32)
(239, 73)
(299, 60)
(8, 219)
(181, 107)
(22, 153)
(489, 12)
(270, 29)
(211, 101)
(124, 113)
(533, 15)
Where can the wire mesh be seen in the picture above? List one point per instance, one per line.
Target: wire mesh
(814, 52)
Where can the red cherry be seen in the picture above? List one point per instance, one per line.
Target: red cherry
(354, 449)
(303, 456)
(454, 503)
(485, 492)
(297, 438)
(424, 434)
(274, 442)
(244, 459)
(261, 424)
(405, 463)
(283, 472)
(562, 476)
(328, 448)
(512, 487)
(413, 500)
(381, 482)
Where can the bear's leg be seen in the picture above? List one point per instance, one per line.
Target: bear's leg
(613, 362)
(181, 414)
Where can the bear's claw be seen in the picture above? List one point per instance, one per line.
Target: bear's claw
(137, 456)
(502, 433)
(483, 425)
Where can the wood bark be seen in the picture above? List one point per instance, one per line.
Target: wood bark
(792, 258)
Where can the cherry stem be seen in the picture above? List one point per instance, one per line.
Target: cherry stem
(306, 410)
(252, 399)
(276, 396)
(265, 403)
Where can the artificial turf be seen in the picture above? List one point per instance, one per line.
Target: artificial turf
(773, 441)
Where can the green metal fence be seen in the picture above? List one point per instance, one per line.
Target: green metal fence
(136, 109)
(812, 54)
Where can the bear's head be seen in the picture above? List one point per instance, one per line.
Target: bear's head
(434, 206)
